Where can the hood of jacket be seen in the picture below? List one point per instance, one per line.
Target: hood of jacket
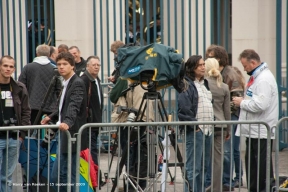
(42, 60)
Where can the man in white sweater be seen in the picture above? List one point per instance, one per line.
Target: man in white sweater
(260, 103)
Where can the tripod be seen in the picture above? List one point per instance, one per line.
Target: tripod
(152, 94)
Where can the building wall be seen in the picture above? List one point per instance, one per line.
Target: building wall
(253, 27)
(74, 25)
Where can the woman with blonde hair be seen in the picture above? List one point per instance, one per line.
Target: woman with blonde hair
(221, 107)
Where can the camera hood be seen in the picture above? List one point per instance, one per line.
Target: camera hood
(156, 62)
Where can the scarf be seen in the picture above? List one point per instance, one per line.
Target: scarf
(255, 73)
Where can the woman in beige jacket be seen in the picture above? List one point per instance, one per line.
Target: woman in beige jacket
(221, 106)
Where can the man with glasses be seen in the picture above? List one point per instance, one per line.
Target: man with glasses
(95, 100)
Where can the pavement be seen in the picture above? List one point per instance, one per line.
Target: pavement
(178, 184)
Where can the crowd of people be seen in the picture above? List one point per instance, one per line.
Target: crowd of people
(213, 91)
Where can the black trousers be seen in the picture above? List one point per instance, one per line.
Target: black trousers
(254, 163)
(94, 149)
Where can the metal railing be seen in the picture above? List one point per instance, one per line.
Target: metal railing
(280, 172)
(171, 170)
(178, 179)
(36, 159)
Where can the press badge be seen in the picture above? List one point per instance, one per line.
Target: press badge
(8, 99)
(9, 102)
(249, 94)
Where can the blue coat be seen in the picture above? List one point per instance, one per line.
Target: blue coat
(188, 103)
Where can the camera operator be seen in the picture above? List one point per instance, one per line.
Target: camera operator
(131, 99)
(15, 110)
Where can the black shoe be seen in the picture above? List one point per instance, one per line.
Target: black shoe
(236, 185)
(227, 188)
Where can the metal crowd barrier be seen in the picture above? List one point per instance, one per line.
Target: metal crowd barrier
(172, 172)
(35, 160)
(161, 173)
(282, 173)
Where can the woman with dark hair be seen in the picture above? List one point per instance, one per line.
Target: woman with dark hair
(195, 104)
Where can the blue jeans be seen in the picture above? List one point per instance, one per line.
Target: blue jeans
(207, 166)
(63, 171)
(235, 156)
(207, 160)
(13, 153)
(193, 160)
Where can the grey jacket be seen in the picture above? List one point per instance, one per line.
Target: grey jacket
(37, 78)
(221, 104)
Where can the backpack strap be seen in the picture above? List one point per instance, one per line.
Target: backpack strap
(89, 93)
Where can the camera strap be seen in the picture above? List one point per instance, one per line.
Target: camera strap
(89, 93)
(2, 113)
(88, 99)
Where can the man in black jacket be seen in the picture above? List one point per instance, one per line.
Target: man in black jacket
(95, 100)
(71, 116)
(80, 63)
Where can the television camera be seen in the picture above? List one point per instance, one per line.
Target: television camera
(156, 65)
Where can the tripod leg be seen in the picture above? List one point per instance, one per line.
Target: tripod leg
(161, 115)
(140, 108)
(162, 105)
(121, 165)
(114, 148)
(162, 150)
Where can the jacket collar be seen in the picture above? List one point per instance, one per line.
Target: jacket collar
(71, 81)
(206, 84)
(89, 76)
(14, 86)
(53, 63)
